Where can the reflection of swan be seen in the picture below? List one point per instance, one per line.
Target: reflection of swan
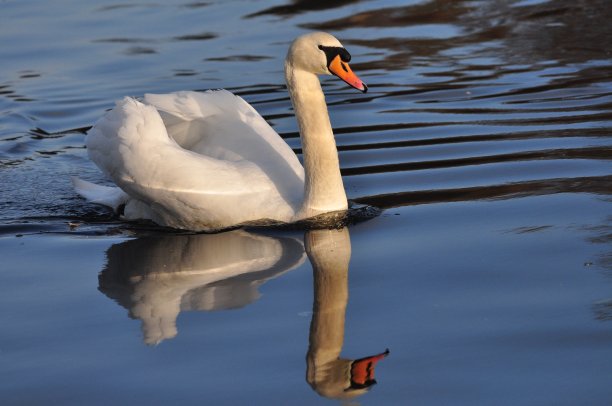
(205, 161)
(329, 252)
(156, 278)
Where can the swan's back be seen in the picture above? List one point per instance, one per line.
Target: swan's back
(198, 161)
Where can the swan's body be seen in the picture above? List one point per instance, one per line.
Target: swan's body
(207, 161)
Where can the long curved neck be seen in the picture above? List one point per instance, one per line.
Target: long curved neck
(323, 189)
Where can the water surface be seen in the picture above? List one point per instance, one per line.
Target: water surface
(484, 136)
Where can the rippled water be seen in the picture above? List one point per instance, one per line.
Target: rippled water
(485, 136)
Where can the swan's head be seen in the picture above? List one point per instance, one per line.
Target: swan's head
(322, 54)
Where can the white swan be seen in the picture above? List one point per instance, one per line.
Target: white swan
(208, 161)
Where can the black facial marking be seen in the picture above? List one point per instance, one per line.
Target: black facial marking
(332, 52)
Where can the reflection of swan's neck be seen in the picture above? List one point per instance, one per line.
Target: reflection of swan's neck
(329, 252)
(323, 190)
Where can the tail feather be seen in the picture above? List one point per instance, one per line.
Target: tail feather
(110, 196)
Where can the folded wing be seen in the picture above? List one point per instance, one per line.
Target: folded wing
(204, 157)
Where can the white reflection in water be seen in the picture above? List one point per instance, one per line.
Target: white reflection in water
(156, 278)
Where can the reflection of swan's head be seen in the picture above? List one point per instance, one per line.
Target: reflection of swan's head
(346, 378)
(322, 54)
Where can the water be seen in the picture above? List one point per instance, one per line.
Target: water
(485, 137)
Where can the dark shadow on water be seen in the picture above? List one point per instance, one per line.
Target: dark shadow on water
(601, 153)
(203, 36)
(239, 58)
(302, 6)
(594, 185)
(139, 51)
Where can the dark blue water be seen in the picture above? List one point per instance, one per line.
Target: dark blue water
(485, 137)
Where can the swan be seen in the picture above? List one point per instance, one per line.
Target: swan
(206, 161)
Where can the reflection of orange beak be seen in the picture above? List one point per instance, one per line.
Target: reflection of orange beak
(362, 371)
(344, 72)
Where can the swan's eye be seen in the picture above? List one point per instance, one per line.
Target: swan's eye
(332, 52)
(344, 55)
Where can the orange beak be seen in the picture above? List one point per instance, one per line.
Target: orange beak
(344, 72)
(362, 371)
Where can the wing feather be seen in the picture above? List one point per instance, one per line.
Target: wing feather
(190, 157)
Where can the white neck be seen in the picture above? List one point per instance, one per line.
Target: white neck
(323, 189)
